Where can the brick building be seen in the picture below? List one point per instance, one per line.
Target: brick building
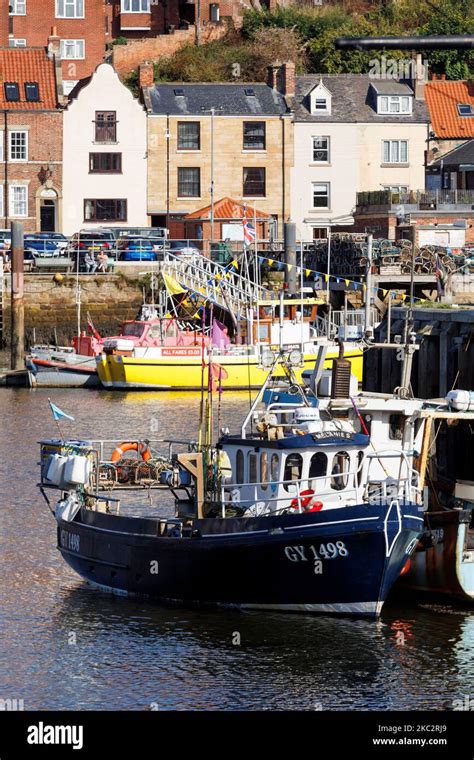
(30, 139)
(142, 18)
(78, 25)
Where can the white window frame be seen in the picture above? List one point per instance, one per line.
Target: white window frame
(63, 5)
(320, 184)
(396, 189)
(391, 105)
(16, 6)
(17, 42)
(391, 151)
(327, 149)
(10, 140)
(11, 201)
(127, 6)
(79, 50)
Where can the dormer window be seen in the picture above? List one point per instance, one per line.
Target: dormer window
(393, 104)
(320, 100)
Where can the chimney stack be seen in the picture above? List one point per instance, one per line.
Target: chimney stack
(54, 53)
(146, 75)
(281, 77)
(420, 76)
(54, 43)
(273, 74)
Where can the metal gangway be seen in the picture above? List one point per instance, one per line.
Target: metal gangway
(224, 286)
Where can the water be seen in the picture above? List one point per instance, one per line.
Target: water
(66, 646)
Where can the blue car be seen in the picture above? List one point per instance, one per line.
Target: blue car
(139, 249)
(43, 244)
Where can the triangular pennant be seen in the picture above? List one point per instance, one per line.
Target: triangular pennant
(308, 272)
(235, 264)
(384, 292)
(347, 282)
(270, 261)
(326, 278)
(289, 267)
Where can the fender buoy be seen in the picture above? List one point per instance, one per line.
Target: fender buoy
(308, 504)
(142, 449)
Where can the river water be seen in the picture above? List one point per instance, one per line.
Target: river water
(67, 646)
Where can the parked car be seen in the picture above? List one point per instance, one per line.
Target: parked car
(93, 241)
(5, 239)
(42, 244)
(182, 248)
(139, 248)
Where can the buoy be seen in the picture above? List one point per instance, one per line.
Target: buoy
(58, 277)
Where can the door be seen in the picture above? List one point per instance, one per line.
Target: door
(48, 216)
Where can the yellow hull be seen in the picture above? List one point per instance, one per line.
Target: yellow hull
(185, 373)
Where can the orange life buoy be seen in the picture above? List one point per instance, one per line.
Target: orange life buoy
(142, 449)
(307, 502)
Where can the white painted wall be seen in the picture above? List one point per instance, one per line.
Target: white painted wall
(104, 92)
(341, 172)
(373, 174)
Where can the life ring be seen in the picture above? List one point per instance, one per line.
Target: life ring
(306, 499)
(142, 448)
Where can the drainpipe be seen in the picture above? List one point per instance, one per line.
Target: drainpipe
(5, 167)
(168, 136)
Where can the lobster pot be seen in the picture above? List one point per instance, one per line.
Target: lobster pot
(461, 401)
(55, 469)
(77, 470)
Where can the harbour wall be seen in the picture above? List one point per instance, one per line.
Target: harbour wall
(51, 308)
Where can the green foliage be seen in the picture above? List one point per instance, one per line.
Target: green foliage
(119, 41)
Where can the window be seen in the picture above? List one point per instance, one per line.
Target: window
(275, 467)
(189, 182)
(397, 426)
(101, 210)
(69, 8)
(12, 92)
(189, 135)
(12, 42)
(252, 468)
(254, 182)
(72, 49)
(321, 195)
(320, 104)
(394, 104)
(320, 233)
(18, 200)
(18, 7)
(239, 466)
(68, 85)
(395, 151)
(396, 189)
(318, 467)
(320, 149)
(135, 6)
(465, 109)
(18, 146)
(340, 470)
(105, 163)
(264, 469)
(106, 126)
(32, 92)
(254, 135)
(293, 468)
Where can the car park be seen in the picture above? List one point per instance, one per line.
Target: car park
(42, 244)
(182, 248)
(139, 249)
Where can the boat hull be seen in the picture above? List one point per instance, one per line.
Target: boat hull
(275, 563)
(53, 374)
(185, 372)
(442, 569)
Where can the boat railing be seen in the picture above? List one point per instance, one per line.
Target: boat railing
(406, 488)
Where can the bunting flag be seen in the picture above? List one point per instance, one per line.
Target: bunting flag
(173, 287)
(307, 272)
(326, 278)
(347, 282)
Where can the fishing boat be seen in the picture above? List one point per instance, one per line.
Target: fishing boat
(303, 509)
(288, 321)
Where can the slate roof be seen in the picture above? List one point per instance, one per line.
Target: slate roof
(353, 100)
(442, 98)
(227, 99)
(464, 154)
(28, 65)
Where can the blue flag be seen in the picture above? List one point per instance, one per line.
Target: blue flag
(58, 414)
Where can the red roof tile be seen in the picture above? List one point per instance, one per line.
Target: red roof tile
(442, 99)
(27, 65)
(227, 208)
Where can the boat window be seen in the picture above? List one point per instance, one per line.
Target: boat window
(340, 470)
(367, 419)
(154, 332)
(133, 329)
(252, 468)
(318, 467)
(360, 459)
(293, 468)
(275, 467)
(239, 466)
(264, 469)
(396, 426)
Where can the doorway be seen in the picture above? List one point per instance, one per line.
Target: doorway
(48, 216)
